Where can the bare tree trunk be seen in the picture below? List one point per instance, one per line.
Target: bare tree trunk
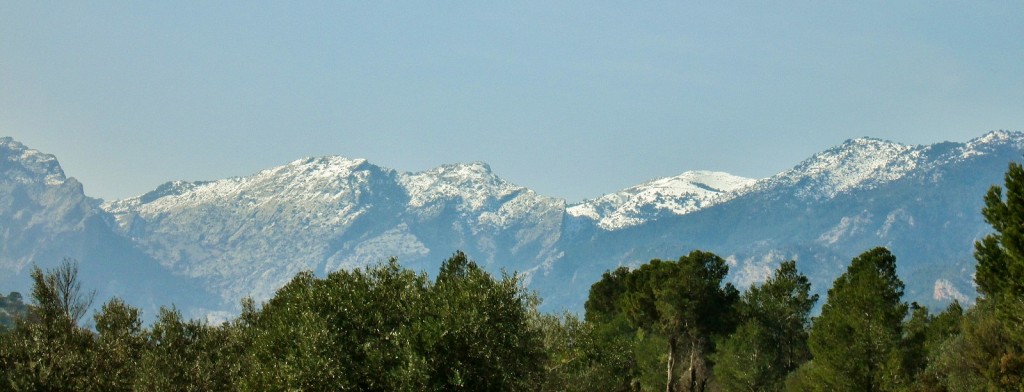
(693, 367)
(670, 385)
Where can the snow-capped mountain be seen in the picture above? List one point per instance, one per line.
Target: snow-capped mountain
(250, 235)
(923, 202)
(863, 163)
(218, 241)
(23, 165)
(868, 163)
(45, 217)
(679, 195)
(37, 199)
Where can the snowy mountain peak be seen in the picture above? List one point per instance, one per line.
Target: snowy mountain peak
(25, 165)
(325, 213)
(326, 166)
(315, 180)
(990, 142)
(171, 188)
(998, 137)
(678, 195)
(720, 182)
(463, 172)
(474, 183)
(857, 163)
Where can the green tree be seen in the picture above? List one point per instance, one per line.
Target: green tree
(686, 302)
(351, 330)
(48, 351)
(188, 355)
(771, 341)
(1000, 271)
(478, 331)
(615, 340)
(1000, 255)
(581, 356)
(855, 342)
(914, 343)
(960, 346)
(604, 301)
(120, 342)
(744, 361)
(386, 328)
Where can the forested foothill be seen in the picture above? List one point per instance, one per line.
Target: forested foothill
(668, 325)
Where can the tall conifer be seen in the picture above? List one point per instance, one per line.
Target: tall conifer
(855, 342)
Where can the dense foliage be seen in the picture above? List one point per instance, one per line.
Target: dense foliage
(666, 325)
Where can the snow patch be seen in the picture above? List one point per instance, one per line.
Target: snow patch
(847, 226)
(891, 219)
(945, 290)
(757, 269)
(473, 183)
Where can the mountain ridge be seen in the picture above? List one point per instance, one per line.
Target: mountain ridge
(678, 195)
(247, 235)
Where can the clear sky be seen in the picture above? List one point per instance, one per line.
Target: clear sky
(572, 99)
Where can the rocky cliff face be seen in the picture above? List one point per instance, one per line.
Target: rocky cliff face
(45, 217)
(42, 212)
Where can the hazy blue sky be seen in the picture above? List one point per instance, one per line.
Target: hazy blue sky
(572, 99)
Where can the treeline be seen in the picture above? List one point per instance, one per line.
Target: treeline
(381, 328)
(668, 325)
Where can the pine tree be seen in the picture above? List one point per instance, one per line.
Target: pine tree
(604, 301)
(771, 340)
(855, 342)
(686, 302)
(1000, 255)
(1000, 271)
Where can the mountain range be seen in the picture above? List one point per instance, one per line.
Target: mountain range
(204, 245)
